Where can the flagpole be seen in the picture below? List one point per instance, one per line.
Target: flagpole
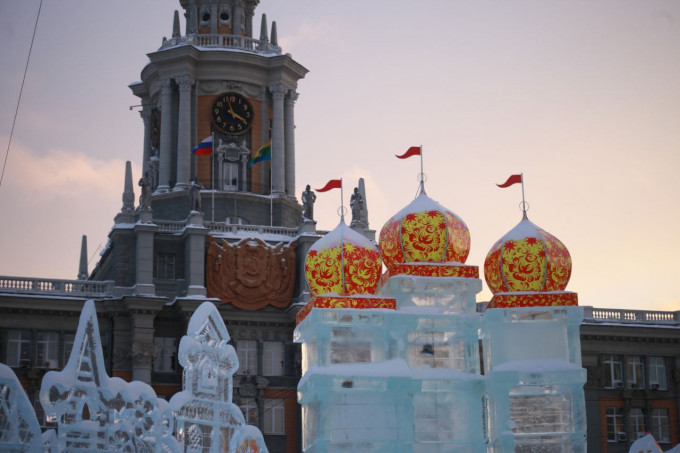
(212, 172)
(422, 173)
(271, 199)
(524, 204)
(342, 199)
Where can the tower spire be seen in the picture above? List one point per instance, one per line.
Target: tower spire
(275, 40)
(128, 193)
(263, 29)
(175, 25)
(82, 269)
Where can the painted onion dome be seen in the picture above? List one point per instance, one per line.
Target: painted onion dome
(528, 267)
(426, 239)
(343, 262)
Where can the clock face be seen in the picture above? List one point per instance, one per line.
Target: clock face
(232, 114)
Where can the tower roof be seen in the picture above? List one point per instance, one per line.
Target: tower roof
(527, 258)
(424, 231)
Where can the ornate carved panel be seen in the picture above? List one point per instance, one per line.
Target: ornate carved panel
(250, 274)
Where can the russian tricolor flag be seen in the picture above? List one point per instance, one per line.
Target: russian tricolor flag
(204, 148)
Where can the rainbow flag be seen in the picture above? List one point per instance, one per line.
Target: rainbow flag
(264, 153)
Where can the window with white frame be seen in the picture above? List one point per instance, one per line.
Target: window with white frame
(614, 424)
(636, 419)
(47, 349)
(274, 411)
(659, 425)
(250, 411)
(657, 372)
(635, 372)
(247, 356)
(165, 353)
(613, 370)
(18, 348)
(272, 358)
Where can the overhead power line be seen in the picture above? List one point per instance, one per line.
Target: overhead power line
(21, 90)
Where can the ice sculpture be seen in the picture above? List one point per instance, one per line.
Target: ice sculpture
(95, 412)
(19, 428)
(206, 418)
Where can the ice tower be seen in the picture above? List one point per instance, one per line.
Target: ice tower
(400, 371)
(531, 344)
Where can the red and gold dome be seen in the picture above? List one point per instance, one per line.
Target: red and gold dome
(343, 262)
(426, 239)
(343, 271)
(530, 261)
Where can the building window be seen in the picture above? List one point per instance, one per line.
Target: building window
(613, 377)
(250, 412)
(659, 425)
(165, 354)
(165, 266)
(615, 431)
(47, 350)
(272, 358)
(247, 356)
(273, 416)
(635, 372)
(69, 338)
(657, 373)
(19, 348)
(636, 419)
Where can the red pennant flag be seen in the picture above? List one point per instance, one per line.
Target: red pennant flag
(412, 151)
(514, 179)
(332, 184)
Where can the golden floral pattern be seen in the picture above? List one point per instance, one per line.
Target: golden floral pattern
(423, 237)
(523, 264)
(533, 300)
(432, 236)
(559, 263)
(537, 264)
(354, 271)
(345, 302)
(458, 244)
(435, 270)
(362, 268)
(390, 243)
(492, 269)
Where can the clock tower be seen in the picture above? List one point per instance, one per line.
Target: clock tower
(217, 82)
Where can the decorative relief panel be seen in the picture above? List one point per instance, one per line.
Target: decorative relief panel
(250, 274)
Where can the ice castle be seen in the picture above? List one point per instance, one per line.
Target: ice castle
(403, 362)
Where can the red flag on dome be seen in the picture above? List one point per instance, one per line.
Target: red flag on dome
(412, 151)
(514, 179)
(332, 184)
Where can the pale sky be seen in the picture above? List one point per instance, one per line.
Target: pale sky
(582, 96)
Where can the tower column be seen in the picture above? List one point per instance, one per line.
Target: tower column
(290, 142)
(265, 181)
(166, 136)
(278, 143)
(145, 113)
(185, 82)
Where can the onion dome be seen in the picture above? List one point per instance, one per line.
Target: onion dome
(529, 259)
(424, 232)
(343, 262)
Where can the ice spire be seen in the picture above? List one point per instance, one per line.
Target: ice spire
(263, 29)
(82, 269)
(274, 40)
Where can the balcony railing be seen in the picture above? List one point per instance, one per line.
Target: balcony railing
(605, 315)
(236, 42)
(56, 287)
